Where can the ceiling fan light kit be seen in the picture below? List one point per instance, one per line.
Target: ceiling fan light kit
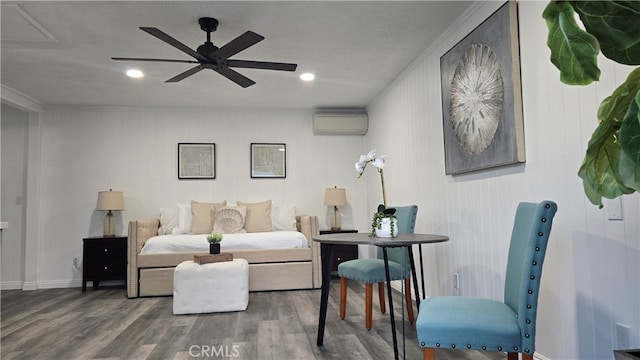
(209, 56)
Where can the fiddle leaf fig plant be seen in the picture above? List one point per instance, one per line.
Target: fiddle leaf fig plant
(611, 166)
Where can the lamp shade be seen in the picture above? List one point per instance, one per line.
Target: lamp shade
(335, 196)
(110, 200)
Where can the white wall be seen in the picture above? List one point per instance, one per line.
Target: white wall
(590, 279)
(88, 149)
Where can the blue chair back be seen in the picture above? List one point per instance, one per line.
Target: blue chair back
(524, 265)
(406, 216)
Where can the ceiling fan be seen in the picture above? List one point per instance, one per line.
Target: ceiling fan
(209, 56)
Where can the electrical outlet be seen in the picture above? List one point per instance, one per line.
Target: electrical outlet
(613, 208)
(456, 281)
(622, 334)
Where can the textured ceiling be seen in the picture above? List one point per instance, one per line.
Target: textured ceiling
(59, 52)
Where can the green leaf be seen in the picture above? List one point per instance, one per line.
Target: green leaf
(630, 131)
(573, 51)
(616, 25)
(599, 170)
(605, 170)
(616, 106)
(629, 172)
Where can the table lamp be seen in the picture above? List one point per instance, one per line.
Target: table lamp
(110, 201)
(335, 197)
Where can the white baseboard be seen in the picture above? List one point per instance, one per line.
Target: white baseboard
(11, 285)
(59, 284)
(51, 284)
(540, 357)
(30, 286)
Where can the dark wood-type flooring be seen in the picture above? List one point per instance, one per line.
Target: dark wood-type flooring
(105, 324)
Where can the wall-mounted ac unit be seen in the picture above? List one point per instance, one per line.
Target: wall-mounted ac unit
(340, 124)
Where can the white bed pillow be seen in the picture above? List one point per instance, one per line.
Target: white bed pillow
(168, 220)
(283, 218)
(184, 219)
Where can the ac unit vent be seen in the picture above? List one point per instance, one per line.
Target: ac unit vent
(340, 124)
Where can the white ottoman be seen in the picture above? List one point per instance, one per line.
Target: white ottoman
(214, 287)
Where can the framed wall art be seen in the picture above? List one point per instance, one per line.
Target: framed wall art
(268, 160)
(482, 97)
(196, 161)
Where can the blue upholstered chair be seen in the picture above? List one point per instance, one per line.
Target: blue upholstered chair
(483, 324)
(371, 271)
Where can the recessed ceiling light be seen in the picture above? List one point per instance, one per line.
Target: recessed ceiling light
(307, 76)
(136, 74)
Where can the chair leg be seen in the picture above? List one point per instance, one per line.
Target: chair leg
(428, 354)
(368, 305)
(514, 356)
(381, 296)
(343, 297)
(407, 295)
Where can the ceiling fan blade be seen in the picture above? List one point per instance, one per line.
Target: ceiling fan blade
(155, 60)
(186, 74)
(238, 44)
(262, 65)
(232, 75)
(173, 42)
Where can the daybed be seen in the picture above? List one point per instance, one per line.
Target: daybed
(275, 269)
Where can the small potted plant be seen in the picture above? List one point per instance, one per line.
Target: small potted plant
(384, 223)
(214, 240)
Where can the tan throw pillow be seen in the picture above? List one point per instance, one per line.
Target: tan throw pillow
(229, 219)
(258, 217)
(202, 216)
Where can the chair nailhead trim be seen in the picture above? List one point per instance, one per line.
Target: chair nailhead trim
(526, 350)
(530, 292)
(534, 263)
(499, 348)
(484, 348)
(437, 344)
(532, 277)
(468, 346)
(543, 219)
(547, 206)
(453, 346)
(537, 248)
(422, 344)
(515, 348)
(526, 335)
(528, 321)
(528, 306)
(540, 233)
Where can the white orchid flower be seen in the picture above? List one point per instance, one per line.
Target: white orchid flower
(370, 156)
(379, 161)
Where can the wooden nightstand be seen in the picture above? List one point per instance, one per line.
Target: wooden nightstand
(103, 258)
(341, 253)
